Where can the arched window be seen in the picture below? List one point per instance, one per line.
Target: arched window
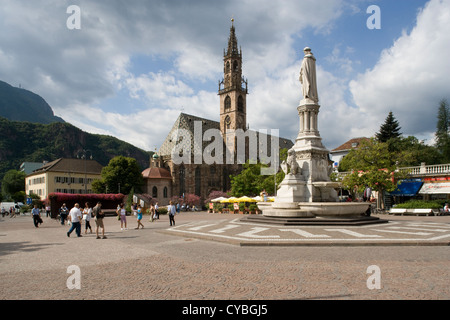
(225, 180)
(240, 104)
(227, 69)
(155, 192)
(198, 181)
(235, 66)
(227, 102)
(165, 192)
(182, 176)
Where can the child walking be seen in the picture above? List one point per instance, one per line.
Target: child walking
(139, 217)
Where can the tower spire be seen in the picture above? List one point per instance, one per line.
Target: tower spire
(232, 90)
(232, 40)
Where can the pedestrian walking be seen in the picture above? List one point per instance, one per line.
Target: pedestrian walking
(151, 210)
(367, 193)
(172, 210)
(36, 214)
(12, 212)
(122, 214)
(99, 215)
(48, 210)
(87, 215)
(139, 217)
(75, 216)
(156, 211)
(63, 213)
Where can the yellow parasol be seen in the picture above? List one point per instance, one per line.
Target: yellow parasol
(229, 200)
(246, 199)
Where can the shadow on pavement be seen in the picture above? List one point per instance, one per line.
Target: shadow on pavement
(12, 247)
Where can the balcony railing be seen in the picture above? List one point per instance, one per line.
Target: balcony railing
(427, 169)
(422, 170)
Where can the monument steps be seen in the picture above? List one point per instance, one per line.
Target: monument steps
(299, 221)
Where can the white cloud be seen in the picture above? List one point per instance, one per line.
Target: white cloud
(77, 70)
(411, 77)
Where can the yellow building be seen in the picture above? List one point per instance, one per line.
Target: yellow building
(73, 176)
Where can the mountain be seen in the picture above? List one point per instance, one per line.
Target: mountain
(22, 105)
(34, 142)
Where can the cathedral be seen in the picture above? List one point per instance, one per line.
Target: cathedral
(167, 176)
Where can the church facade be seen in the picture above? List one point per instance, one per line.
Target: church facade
(191, 165)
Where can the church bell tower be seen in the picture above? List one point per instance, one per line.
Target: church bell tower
(233, 92)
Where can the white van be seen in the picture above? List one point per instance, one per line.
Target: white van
(7, 205)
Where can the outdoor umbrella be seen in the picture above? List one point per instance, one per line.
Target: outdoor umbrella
(246, 199)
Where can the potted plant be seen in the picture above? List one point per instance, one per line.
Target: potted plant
(242, 208)
(253, 208)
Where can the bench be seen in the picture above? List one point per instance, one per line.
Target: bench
(395, 211)
(417, 212)
(421, 212)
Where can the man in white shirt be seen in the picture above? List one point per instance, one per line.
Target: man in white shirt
(75, 217)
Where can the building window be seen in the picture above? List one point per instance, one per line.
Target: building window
(155, 192)
(165, 192)
(198, 181)
(227, 102)
(182, 180)
(225, 180)
(240, 104)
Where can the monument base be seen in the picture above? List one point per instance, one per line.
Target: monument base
(314, 213)
(317, 221)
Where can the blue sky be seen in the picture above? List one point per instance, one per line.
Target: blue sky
(134, 66)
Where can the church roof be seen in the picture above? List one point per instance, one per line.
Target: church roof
(156, 173)
(187, 122)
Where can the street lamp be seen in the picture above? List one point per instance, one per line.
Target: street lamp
(83, 154)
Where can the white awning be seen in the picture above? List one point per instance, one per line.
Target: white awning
(435, 188)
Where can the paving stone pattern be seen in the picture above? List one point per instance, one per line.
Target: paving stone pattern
(153, 264)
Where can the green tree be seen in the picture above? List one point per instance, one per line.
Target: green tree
(250, 181)
(121, 173)
(372, 165)
(412, 152)
(13, 182)
(442, 130)
(389, 129)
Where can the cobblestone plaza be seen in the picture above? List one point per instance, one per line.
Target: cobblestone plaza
(188, 262)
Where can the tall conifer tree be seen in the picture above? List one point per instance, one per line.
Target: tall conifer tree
(389, 129)
(442, 130)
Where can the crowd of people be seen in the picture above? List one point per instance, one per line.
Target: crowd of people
(12, 212)
(77, 216)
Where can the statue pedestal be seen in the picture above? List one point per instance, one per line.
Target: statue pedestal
(292, 189)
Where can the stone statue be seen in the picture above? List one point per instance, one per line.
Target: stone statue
(308, 76)
(290, 163)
